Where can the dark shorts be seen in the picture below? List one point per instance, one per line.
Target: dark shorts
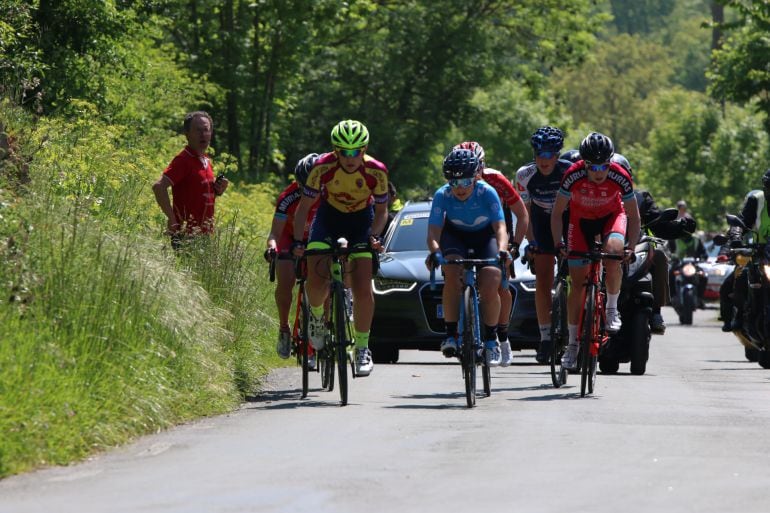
(330, 224)
(541, 228)
(457, 242)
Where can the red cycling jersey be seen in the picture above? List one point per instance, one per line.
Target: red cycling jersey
(591, 200)
(503, 186)
(285, 208)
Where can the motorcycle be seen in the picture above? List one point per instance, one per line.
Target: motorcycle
(689, 281)
(635, 305)
(752, 274)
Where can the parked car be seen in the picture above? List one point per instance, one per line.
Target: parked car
(408, 314)
(716, 271)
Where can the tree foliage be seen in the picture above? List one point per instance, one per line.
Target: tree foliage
(741, 67)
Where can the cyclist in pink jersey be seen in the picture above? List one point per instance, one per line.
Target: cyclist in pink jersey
(512, 204)
(601, 201)
(279, 243)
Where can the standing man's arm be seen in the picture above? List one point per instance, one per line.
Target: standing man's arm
(160, 188)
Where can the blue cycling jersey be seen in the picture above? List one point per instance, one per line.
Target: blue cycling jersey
(480, 209)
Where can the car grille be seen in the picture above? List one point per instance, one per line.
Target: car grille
(430, 300)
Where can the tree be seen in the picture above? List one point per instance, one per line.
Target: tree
(739, 70)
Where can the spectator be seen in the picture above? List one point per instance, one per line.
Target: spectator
(191, 179)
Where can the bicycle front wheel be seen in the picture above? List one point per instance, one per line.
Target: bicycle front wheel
(559, 334)
(341, 342)
(469, 349)
(586, 338)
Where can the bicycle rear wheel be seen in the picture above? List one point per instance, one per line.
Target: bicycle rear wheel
(341, 342)
(469, 352)
(587, 328)
(559, 334)
(326, 361)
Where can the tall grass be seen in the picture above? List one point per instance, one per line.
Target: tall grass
(105, 333)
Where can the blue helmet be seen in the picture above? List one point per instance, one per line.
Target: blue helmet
(571, 155)
(461, 163)
(547, 138)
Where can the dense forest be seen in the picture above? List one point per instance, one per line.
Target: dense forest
(105, 335)
(680, 85)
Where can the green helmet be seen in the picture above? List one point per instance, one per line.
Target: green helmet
(350, 135)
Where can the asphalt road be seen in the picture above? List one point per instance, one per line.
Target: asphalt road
(691, 435)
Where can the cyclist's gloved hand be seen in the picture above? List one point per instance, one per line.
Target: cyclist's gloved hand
(504, 256)
(433, 260)
(513, 247)
(629, 255)
(298, 247)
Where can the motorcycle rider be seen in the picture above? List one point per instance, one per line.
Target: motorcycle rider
(755, 216)
(649, 213)
(688, 246)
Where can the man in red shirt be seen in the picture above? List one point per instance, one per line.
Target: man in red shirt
(192, 183)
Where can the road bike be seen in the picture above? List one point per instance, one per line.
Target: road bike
(472, 349)
(300, 347)
(591, 325)
(339, 336)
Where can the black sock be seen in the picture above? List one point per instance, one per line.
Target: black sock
(502, 332)
(451, 329)
(489, 332)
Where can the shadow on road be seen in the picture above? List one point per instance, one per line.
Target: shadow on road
(288, 399)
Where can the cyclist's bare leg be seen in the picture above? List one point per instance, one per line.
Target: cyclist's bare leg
(489, 283)
(577, 274)
(543, 284)
(363, 297)
(318, 278)
(284, 271)
(506, 301)
(614, 275)
(450, 297)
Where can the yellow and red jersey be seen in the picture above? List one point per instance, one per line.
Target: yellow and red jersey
(347, 192)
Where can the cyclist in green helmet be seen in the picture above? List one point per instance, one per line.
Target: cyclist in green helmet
(353, 187)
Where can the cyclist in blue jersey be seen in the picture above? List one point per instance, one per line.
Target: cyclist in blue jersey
(537, 183)
(467, 214)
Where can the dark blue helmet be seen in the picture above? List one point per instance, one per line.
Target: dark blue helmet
(547, 138)
(597, 148)
(461, 163)
(303, 167)
(623, 162)
(571, 155)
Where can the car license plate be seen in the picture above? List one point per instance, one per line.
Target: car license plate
(440, 311)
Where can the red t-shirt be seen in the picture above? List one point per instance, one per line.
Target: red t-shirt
(192, 187)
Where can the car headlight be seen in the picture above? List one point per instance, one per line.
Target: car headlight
(688, 270)
(766, 271)
(717, 271)
(389, 285)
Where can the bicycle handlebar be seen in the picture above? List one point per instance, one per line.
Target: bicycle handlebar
(468, 263)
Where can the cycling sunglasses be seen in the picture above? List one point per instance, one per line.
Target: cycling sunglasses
(461, 182)
(598, 168)
(546, 154)
(350, 153)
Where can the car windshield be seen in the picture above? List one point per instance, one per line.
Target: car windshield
(411, 233)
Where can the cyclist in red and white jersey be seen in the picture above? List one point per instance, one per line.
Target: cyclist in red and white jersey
(512, 204)
(279, 243)
(601, 201)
